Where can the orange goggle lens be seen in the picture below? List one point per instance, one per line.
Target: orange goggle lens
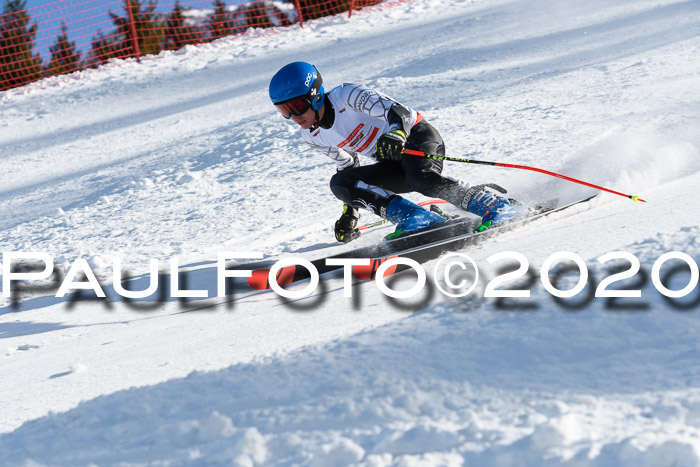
(297, 107)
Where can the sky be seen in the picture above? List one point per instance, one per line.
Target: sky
(85, 19)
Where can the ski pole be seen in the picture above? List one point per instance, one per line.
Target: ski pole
(384, 221)
(523, 167)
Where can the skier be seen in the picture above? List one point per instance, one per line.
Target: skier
(354, 119)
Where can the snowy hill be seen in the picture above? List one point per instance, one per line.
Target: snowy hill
(182, 156)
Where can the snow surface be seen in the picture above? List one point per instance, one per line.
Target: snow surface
(181, 156)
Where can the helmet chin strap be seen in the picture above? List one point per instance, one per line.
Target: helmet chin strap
(317, 121)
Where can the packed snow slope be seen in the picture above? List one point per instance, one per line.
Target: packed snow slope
(181, 156)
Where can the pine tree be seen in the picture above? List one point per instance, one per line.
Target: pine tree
(263, 14)
(177, 32)
(148, 25)
(281, 18)
(65, 57)
(222, 22)
(107, 46)
(119, 43)
(18, 64)
(312, 9)
(257, 16)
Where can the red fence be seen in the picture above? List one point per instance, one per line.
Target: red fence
(71, 35)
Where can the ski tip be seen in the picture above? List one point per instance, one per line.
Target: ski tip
(637, 199)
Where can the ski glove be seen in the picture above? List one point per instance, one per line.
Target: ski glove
(390, 145)
(346, 227)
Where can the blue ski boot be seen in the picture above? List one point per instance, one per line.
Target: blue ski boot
(409, 217)
(485, 202)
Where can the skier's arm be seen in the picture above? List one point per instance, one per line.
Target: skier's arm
(368, 101)
(343, 159)
(399, 118)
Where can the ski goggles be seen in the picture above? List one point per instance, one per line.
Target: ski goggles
(297, 107)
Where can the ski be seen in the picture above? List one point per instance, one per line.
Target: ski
(422, 246)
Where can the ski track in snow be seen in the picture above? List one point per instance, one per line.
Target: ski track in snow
(182, 155)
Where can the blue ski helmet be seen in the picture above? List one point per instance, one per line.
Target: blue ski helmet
(297, 79)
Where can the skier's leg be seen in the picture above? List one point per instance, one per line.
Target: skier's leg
(370, 187)
(374, 187)
(424, 176)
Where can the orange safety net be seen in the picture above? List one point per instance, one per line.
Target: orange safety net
(71, 35)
